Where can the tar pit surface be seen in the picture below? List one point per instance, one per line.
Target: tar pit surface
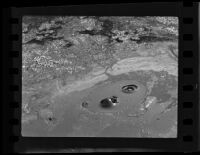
(116, 98)
(111, 109)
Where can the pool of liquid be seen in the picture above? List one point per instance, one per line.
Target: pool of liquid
(128, 102)
(126, 119)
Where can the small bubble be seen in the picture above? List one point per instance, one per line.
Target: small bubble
(85, 104)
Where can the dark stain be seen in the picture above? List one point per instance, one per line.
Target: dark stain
(106, 30)
(150, 39)
(68, 44)
(35, 41)
(44, 40)
(118, 40)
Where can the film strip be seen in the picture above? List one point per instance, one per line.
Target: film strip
(189, 72)
(188, 77)
(14, 72)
